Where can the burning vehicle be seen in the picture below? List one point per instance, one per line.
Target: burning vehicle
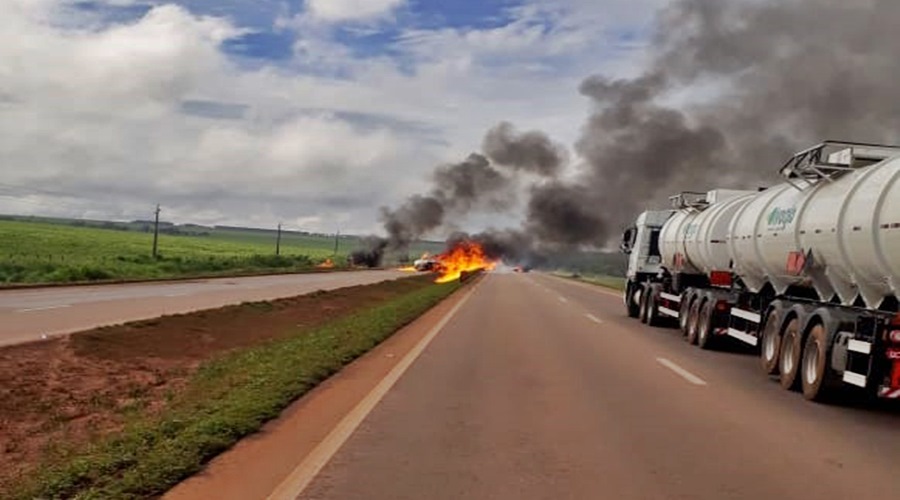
(462, 258)
(425, 263)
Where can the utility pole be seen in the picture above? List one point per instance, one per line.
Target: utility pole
(156, 233)
(278, 241)
(337, 235)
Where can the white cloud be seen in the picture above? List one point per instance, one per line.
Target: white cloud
(152, 110)
(99, 113)
(351, 10)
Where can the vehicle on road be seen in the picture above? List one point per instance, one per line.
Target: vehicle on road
(425, 264)
(806, 272)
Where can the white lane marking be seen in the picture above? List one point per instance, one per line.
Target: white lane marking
(45, 308)
(562, 299)
(593, 318)
(297, 481)
(175, 294)
(690, 377)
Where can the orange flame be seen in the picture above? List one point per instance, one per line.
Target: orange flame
(327, 264)
(407, 269)
(466, 256)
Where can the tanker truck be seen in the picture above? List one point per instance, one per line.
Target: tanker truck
(806, 273)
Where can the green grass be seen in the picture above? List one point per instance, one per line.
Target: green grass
(613, 282)
(226, 399)
(54, 252)
(47, 253)
(322, 246)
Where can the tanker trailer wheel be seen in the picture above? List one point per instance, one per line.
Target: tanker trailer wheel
(683, 312)
(771, 341)
(815, 379)
(644, 302)
(693, 320)
(705, 338)
(632, 300)
(789, 358)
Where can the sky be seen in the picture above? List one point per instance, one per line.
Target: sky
(313, 113)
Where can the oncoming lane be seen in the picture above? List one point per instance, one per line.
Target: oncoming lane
(28, 314)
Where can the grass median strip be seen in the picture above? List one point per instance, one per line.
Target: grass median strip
(224, 400)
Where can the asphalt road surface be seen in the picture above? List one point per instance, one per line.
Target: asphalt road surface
(539, 388)
(28, 314)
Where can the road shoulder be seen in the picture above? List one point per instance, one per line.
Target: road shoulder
(257, 465)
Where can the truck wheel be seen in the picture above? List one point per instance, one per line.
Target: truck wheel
(789, 358)
(693, 320)
(683, 313)
(771, 342)
(814, 375)
(704, 326)
(632, 300)
(645, 296)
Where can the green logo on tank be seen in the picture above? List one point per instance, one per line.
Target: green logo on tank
(779, 218)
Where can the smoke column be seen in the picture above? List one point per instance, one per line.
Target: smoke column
(734, 87)
(475, 183)
(763, 79)
(531, 151)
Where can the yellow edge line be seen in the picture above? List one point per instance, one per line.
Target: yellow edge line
(297, 481)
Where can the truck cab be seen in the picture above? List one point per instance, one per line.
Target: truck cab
(641, 243)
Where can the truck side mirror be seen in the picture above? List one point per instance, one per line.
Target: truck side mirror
(626, 244)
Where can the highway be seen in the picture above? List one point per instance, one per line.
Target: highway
(536, 387)
(28, 314)
(540, 388)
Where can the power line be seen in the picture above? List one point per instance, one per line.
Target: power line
(19, 199)
(41, 191)
(63, 199)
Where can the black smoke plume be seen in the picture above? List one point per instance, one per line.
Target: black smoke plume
(372, 253)
(732, 89)
(559, 214)
(481, 181)
(752, 82)
(530, 151)
(458, 189)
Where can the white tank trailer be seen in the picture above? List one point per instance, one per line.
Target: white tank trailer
(807, 272)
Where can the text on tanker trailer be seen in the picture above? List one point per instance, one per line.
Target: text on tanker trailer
(807, 271)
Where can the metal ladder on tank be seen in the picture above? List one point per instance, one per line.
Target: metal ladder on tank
(831, 159)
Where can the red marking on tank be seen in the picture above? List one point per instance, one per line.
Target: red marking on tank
(795, 262)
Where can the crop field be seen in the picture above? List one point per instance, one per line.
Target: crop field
(44, 252)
